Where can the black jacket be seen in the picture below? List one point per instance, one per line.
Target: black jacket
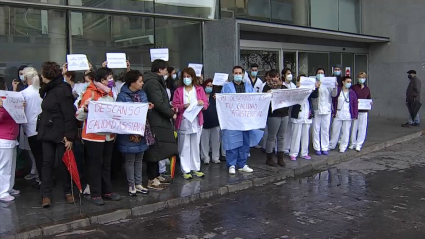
(58, 113)
(159, 119)
(282, 112)
(210, 114)
(295, 111)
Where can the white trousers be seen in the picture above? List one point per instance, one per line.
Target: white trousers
(210, 137)
(287, 139)
(300, 136)
(321, 125)
(340, 127)
(189, 152)
(358, 130)
(7, 171)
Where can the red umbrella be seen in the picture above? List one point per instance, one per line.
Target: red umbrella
(69, 160)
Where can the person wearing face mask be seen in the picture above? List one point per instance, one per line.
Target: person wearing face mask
(237, 143)
(160, 121)
(189, 94)
(338, 74)
(255, 81)
(345, 110)
(287, 78)
(170, 79)
(211, 130)
(359, 128)
(413, 93)
(262, 144)
(19, 84)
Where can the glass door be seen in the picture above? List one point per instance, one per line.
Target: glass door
(265, 59)
(290, 61)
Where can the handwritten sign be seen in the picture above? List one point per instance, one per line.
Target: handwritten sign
(13, 103)
(77, 62)
(328, 82)
(192, 111)
(243, 111)
(307, 82)
(289, 97)
(159, 54)
(117, 117)
(116, 60)
(365, 104)
(197, 68)
(220, 78)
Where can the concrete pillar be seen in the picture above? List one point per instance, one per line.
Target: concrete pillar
(57, 34)
(2, 21)
(300, 12)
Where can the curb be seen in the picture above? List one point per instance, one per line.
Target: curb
(121, 214)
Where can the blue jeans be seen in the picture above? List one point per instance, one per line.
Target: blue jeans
(417, 120)
(238, 156)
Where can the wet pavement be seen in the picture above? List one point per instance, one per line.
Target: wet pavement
(26, 211)
(381, 195)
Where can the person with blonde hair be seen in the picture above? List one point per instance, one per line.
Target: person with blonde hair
(359, 128)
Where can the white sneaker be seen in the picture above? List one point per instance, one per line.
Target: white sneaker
(14, 192)
(249, 155)
(217, 161)
(246, 169)
(232, 170)
(87, 190)
(351, 147)
(342, 151)
(257, 146)
(358, 149)
(7, 198)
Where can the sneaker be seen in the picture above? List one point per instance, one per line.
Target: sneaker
(286, 153)
(187, 176)
(306, 157)
(293, 158)
(7, 198)
(407, 125)
(351, 147)
(249, 155)
(14, 192)
(358, 149)
(318, 153)
(98, 201)
(246, 169)
(416, 124)
(198, 174)
(232, 170)
(31, 176)
(257, 146)
(206, 163)
(164, 180)
(342, 151)
(155, 184)
(141, 189)
(325, 153)
(87, 190)
(112, 197)
(132, 191)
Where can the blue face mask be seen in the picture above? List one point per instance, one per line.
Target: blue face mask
(348, 85)
(174, 76)
(187, 81)
(21, 77)
(361, 80)
(320, 76)
(208, 89)
(237, 78)
(254, 73)
(337, 73)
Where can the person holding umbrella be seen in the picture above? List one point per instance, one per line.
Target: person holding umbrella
(413, 99)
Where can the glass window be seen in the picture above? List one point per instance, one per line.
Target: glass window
(183, 40)
(201, 9)
(290, 61)
(324, 14)
(294, 12)
(348, 61)
(61, 2)
(253, 9)
(349, 16)
(266, 60)
(30, 37)
(99, 34)
(309, 62)
(133, 5)
(360, 64)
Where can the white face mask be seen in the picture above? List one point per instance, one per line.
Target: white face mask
(289, 77)
(165, 77)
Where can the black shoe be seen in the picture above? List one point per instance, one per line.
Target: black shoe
(407, 125)
(98, 201)
(112, 197)
(416, 124)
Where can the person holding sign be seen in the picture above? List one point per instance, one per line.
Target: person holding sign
(359, 128)
(9, 131)
(189, 131)
(237, 143)
(99, 146)
(322, 107)
(345, 110)
(57, 129)
(287, 81)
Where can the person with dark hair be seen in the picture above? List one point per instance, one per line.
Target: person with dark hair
(133, 146)
(99, 147)
(160, 121)
(287, 81)
(345, 110)
(237, 143)
(255, 81)
(19, 84)
(57, 128)
(188, 95)
(337, 72)
(413, 93)
(262, 144)
(170, 82)
(322, 106)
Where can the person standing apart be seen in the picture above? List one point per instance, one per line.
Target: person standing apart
(413, 93)
(359, 128)
(287, 81)
(345, 110)
(187, 96)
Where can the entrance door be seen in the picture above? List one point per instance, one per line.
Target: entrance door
(265, 59)
(290, 61)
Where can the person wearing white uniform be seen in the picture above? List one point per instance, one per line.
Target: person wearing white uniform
(322, 107)
(189, 96)
(301, 118)
(287, 81)
(359, 128)
(253, 78)
(345, 106)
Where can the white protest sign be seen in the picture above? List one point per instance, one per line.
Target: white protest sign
(365, 104)
(159, 54)
(117, 117)
(308, 82)
(243, 111)
(197, 68)
(192, 111)
(13, 103)
(220, 78)
(289, 97)
(328, 82)
(77, 62)
(116, 60)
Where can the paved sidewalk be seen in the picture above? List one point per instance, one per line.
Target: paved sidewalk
(24, 218)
